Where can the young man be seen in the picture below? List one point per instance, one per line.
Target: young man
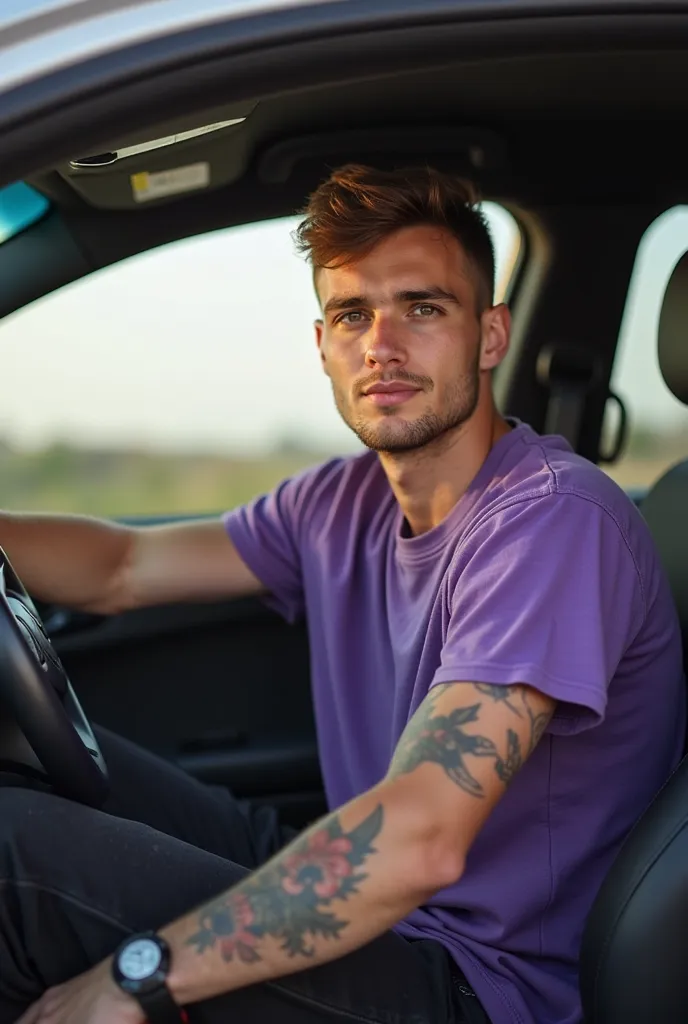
(496, 674)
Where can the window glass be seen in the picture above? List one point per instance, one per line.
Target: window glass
(20, 207)
(183, 380)
(658, 422)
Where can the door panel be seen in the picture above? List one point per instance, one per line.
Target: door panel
(222, 689)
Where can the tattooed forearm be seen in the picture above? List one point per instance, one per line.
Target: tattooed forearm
(433, 737)
(289, 899)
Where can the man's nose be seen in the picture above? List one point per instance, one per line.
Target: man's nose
(383, 345)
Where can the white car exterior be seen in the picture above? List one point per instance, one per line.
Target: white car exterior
(38, 37)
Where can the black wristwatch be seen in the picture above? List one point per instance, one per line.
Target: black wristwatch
(140, 967)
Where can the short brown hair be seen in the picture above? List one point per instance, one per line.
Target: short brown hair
(358, 206)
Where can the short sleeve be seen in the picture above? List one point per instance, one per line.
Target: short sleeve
(546, 593)
(266, 533)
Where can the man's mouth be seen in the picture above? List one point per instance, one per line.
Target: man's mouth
(392, 392)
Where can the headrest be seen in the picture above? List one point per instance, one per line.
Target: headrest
(672, 339)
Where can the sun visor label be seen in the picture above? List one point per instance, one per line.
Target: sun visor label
(147, 186)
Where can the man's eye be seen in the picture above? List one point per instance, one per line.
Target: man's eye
(424, 310)
(354, 316)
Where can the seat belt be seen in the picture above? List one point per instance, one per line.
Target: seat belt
(568, 374)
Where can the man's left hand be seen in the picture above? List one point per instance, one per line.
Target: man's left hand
(91, 998)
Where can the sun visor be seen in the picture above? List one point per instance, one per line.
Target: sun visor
(169, 162)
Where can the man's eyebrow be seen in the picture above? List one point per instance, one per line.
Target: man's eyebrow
(345, 302)
(340, 302)
(423, 294)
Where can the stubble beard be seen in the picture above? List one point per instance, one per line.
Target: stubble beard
(399, 437)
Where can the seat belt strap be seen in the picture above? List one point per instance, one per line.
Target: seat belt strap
(568, 374)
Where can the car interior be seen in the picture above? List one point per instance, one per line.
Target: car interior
(578, 134)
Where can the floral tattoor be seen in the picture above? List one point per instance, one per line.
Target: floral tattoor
(286, 898)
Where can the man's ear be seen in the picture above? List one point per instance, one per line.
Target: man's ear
(496, 332)
(319, 337)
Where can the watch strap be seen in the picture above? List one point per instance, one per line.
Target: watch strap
(160, 1008)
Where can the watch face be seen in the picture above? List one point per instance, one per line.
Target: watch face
(140, 959)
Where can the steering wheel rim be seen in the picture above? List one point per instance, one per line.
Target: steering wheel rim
(36, 689)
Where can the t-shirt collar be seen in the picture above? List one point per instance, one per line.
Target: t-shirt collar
(415, 549)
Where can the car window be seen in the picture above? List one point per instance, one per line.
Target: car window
(658, 422)
(182, 380)
(20, 207)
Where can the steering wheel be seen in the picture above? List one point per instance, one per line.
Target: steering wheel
(36, 690)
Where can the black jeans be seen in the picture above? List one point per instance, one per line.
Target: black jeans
(74, 882)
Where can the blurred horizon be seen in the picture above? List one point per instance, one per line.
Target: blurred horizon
(186, 379)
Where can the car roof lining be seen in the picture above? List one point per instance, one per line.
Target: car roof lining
(580, 123)
(592, 152)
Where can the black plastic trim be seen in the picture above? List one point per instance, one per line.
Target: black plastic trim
(258, 768)
(75, 633)
(478, 146)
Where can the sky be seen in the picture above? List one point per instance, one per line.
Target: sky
(208, 344)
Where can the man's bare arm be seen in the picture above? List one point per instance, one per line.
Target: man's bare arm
(102, 567)
(364, 867)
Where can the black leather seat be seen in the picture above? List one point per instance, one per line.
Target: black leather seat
(634, 958)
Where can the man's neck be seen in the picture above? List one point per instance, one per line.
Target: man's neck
(428, 482)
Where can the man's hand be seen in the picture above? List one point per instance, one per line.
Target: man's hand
(90, 998)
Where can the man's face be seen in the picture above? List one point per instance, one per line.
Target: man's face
(402, 341)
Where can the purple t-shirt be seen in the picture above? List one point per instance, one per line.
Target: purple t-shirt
(543, 573)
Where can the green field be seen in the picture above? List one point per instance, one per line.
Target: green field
(63, 478)
(122, 483)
